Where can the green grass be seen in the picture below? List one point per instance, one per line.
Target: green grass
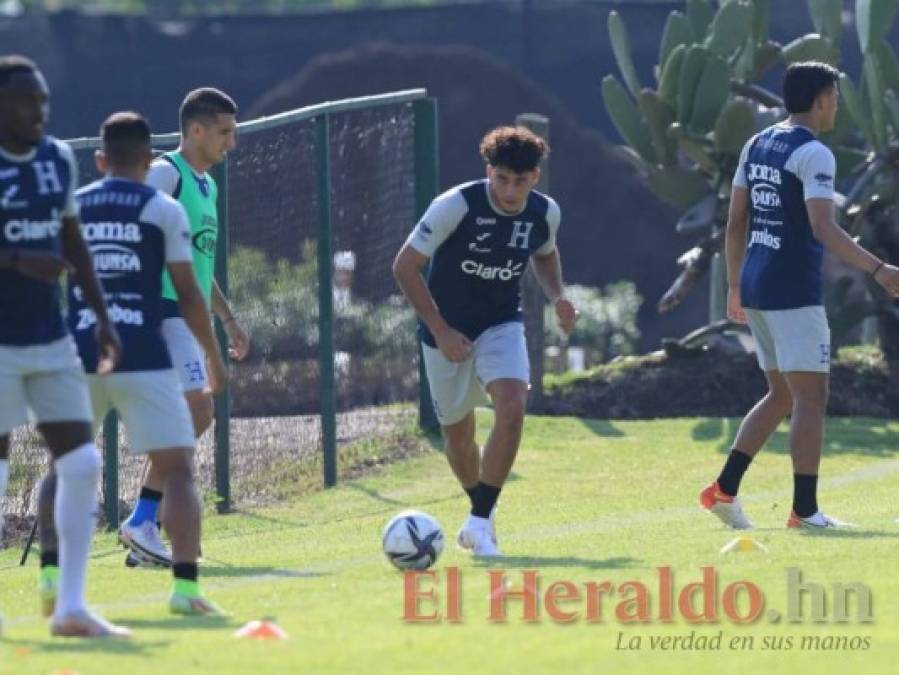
(588, 501)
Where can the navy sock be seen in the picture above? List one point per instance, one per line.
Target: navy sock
(805, 495)
(186, 571)
(146, 508)
(49, 559)
(471, 493)
(484, 499)
(732, 473)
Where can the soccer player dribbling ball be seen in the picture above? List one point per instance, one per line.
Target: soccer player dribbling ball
(479, 238)
(780, 221)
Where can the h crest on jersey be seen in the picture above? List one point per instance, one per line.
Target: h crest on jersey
(521, 234)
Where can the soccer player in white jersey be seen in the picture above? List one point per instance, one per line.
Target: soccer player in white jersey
(479, 238)
(41, 377)
(134, 231)
(780, 221)
(208, 124)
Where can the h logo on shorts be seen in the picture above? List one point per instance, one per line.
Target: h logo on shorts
(194, 371)
(825, 354)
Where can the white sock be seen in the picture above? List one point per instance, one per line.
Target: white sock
(4, 477)
(476, 522)
(78, 477)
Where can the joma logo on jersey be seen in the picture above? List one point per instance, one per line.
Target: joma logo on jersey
(765, 197)
(112, 261)
(489, 273)
(764, 172)
(765, 239)
(129, 232)
(204, 241)
(30, 230)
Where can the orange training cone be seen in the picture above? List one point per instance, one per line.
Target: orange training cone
(261, 630)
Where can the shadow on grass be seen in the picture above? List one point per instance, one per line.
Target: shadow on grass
(82, 646)
(602, 428)
(848, 534)
(219, 569)
(532, 562)
(842, 435)
(182, 623)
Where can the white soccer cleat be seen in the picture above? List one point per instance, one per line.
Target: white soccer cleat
(87, 625)
(728, 509)
(817, 520)
(477, 536)
(146, 542)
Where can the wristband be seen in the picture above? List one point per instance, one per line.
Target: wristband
(877, 269)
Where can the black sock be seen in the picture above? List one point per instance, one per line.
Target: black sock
(49, 558)
(186, 571)
(471, 492)
(732, 473)
(805, 495)
(152, 495)
(484, 499)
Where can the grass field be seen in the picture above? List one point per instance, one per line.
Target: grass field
(589, 501)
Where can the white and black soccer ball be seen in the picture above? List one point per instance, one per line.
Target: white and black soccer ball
(413, 540)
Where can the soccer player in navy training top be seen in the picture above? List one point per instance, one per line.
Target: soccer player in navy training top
(479, 238)
(134, 232)
(781, 219)
(40, 374)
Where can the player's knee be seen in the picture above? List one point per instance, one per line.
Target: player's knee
(510, 410)
(174, 464)
(82, 462)
(202, 413)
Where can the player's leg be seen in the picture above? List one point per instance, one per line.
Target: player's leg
(501, 362)
(59, 400)
(158, 423)
(189, 364)
(462, 451)
(4, 475)
(48, 581)
(720, 497)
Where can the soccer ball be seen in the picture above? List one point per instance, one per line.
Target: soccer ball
(413, 540)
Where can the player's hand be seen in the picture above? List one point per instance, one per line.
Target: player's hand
(888, 277)
(238, 341)
(217, 372)
(42, 265)
(109, 347)
(566, 314)
(735, 306)
(453, 344)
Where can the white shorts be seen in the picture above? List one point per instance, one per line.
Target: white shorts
(151, 405)
(791, 340)
(187, 355)
(499, 353)
(42, 383)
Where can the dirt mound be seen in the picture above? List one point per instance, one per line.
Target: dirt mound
(710, 384)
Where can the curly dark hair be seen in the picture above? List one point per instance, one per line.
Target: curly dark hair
(516, 148)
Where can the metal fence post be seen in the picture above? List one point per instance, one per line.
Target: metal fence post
(111, 470)
(327, 390)
(223, 400)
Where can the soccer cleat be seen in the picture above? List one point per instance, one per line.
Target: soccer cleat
(133, 560)
(145, 542)
(195, 605)
(87, 625)
(816, 521)
(47, 588)
(728, 509)
(480, 540)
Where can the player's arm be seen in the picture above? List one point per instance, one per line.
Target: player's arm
(836, 240)
(237, 337)
(547, 265)
(816, 168)
(77, 253)
(193, 309)
(436, 225)
(735, 248)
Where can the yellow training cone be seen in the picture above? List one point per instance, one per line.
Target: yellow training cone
(744, 545)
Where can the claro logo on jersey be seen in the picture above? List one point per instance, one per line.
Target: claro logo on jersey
(488, 272)
(31, 230)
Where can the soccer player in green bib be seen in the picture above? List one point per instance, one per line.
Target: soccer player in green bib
(208, 125)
